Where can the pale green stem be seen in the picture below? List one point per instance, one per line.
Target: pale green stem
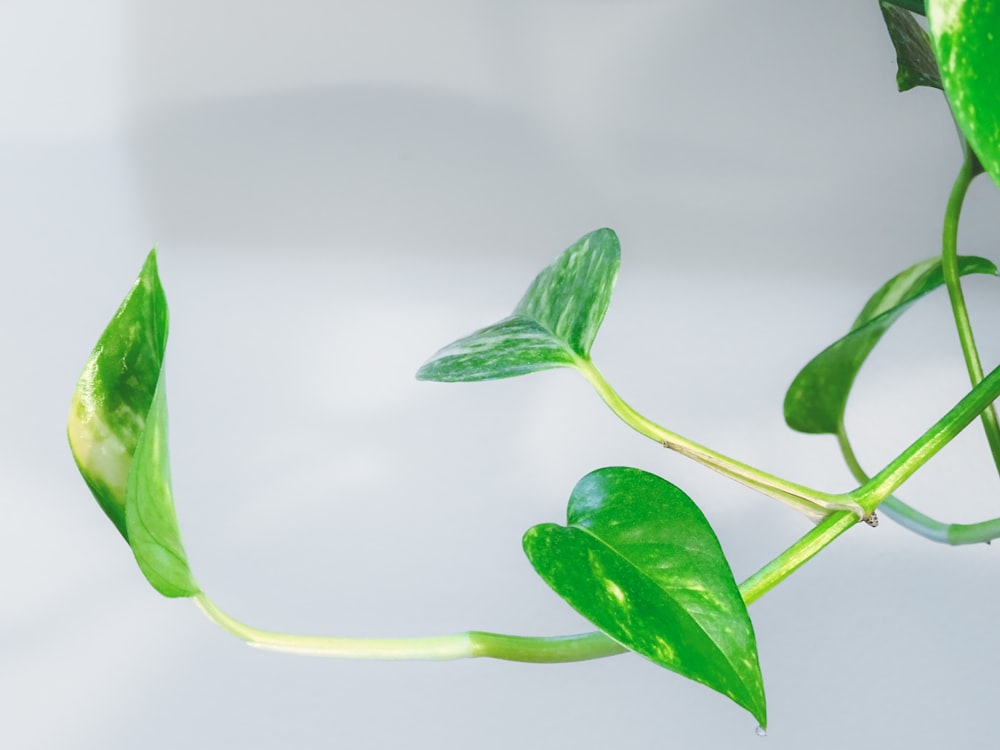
(814, 503)
(435, 648)
(474, 644)
(596, 645)
(953, 281)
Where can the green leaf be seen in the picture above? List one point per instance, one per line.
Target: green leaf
(553, 325)
(118, 434)
(639, 560)
(816, 400)
(116, 390)
(915, 6)
(966, 39)
(150, 517)
(914, 56)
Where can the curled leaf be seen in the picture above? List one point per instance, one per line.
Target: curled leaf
(118, 434)
(816, 399)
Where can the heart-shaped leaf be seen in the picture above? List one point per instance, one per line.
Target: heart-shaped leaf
(553, 325)
(816, 399)
(916, 65)
(966, 38)
(118, 434)
(639, 560)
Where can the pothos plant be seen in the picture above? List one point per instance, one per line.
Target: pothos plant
(636, 556)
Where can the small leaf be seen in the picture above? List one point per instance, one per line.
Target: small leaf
(914, 56)
(554, 324)
(639, 560)
(118, 434)
(966, 39)
(816, 399)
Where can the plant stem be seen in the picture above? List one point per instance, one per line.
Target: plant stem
(946, 533)
(437, 648)
(813, 503)
(888, 480)
(912, 519)
(796, 556)
(953, 281)
(565, 648)
(873, 492)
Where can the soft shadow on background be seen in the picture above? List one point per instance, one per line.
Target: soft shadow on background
(338, 192)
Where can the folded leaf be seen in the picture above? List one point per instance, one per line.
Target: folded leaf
(118, 434)
(151, 520)
(639, 560)
(966, 38)
(553, 325)
(816, 399)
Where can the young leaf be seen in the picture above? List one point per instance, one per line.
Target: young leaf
(639, 560)
(118, 434)
(966, 39)
(915, 61)
(553, 325)
(816, 399)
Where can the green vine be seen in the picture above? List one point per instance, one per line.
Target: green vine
(635, 556)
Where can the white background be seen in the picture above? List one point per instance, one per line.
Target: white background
(337, 190)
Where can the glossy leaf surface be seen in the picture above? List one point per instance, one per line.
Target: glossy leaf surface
(816, 400)
(966, 39)
(118, 434)
(553, 325)
(639, 560)
(916, 65)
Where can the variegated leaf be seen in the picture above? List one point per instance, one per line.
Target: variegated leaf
(553, 325)
(639, 560)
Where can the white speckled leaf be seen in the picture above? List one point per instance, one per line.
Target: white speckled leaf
(639, 560)
(966, 39)
(554, 324)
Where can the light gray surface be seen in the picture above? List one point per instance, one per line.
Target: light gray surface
(336, 194)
